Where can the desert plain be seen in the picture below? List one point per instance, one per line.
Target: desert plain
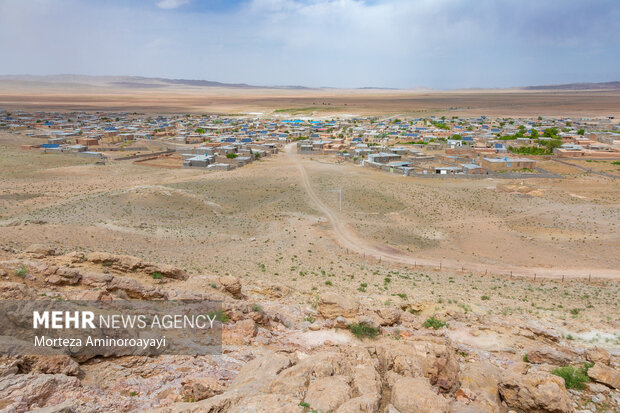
(327, 305)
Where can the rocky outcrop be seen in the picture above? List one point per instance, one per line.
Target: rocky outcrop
(415, 395)
(24, 392)
(56, 364)
(389, 316)
(479, 387)
(604, 374)
(332, 305)
(231, 285)
(534, 391)
(130, 288)
(64, 276)
(128, 263)
(429, 357)
(195, 389)
(40, 251)
(549, 355)
(326, 394)
(598, 355)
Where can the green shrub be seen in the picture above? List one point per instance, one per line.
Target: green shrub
(231, 155)
(362, 329)
(219, 315)
(157, 275)
(573, 378)
(433, 323)
(21, 272)
(526, 358)
(485, 297)
(257, 308)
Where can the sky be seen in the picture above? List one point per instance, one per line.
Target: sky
(440, 44)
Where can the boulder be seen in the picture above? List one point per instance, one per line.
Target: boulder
(231, 285)
(598, 355)
(389, 316)
(95, 279)
(366, 403)
(14, 291)
(256, 375)
(25, 392)
(548, 355)
(239, 333)
(605, 374)
(535, 391)
(195, 389)
(415, 395)
(326, 394)
(131, 288)
(56, 364)
(332, 305)
(425, 356)
(479, 386)
(539, 330)
(65, 276)
(40, 250)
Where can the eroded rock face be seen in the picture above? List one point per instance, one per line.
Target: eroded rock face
(24, 392)
(389, 316)
(429, 357)
(231, 285)
(549, 355)
(195, 389)
(56, 364)
(65, 276)
(535, 391)
(131, 288)
(598, 355)
(479, 387)
(332, 305)
(128, 263)
(604, 374)
(40, 250)
(328, 393)
(415, 395)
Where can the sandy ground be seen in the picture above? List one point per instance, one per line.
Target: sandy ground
(281, 210)
(317, 102)
(261, 224)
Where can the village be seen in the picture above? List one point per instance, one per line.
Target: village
(504, 147)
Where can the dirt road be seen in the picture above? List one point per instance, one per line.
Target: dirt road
(347, 238)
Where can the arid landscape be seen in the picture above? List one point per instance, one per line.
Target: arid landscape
(415, 294)
(67, 93)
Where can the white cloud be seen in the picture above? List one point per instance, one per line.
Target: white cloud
(171, 4)
(342, 43)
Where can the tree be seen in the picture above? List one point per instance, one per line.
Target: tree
(534, 134)
(551, 132)
(581, 132)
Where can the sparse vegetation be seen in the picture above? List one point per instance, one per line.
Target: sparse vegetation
(434, 323)
(362, 330)
(574, 378)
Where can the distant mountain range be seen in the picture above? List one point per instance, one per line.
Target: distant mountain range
(138, 82)
(577, 86)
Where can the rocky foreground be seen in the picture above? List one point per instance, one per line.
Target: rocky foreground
(335, 354)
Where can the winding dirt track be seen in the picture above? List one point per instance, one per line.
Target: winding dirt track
(347, 238)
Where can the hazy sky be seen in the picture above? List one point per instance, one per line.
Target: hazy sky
(340, 43)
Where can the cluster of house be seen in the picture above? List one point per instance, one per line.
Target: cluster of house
(468, 145)
(225, 157)
(414, 145)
